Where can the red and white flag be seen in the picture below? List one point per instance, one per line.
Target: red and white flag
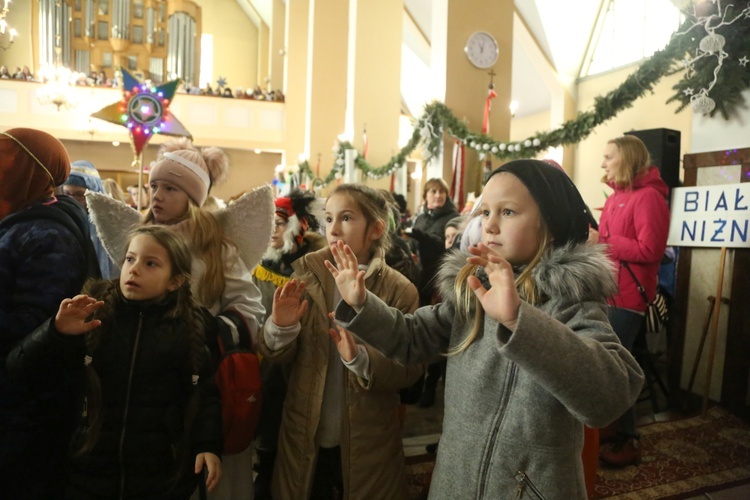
(491, 94)
(459, 173)
(365, 144)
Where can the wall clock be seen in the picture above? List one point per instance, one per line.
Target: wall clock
(482, 49)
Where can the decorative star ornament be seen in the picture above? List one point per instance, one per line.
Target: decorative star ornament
(222, 82)
(743, 61)
(144, 110)
(688, 91)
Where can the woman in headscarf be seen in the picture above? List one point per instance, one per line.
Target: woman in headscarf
(43, 259)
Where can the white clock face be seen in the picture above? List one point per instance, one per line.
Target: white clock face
(481, 49)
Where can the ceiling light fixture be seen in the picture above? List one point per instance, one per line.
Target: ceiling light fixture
(5, 28)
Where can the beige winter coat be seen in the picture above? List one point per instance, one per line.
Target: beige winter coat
(371, 449)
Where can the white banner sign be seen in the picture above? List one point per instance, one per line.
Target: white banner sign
(710, 216)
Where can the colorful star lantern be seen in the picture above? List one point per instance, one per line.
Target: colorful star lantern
(144, 110)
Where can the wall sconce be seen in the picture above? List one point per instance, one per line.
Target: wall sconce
(513, 108)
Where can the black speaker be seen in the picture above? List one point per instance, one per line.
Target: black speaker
(663, 145)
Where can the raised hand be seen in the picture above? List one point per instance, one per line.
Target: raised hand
(73, 316)
(501, 301)
(344, 341)
(287, 308)
(349, 279)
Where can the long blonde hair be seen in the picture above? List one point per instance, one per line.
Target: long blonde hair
(470, 309)
(206, 236)
(634, 160)
(207, 241)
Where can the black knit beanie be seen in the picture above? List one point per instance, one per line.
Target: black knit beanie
(560, 203)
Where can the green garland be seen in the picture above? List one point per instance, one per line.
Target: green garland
(437, 119)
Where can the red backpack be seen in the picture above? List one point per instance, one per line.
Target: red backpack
(238, 380)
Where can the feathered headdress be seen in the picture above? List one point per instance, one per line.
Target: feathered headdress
(301, 210)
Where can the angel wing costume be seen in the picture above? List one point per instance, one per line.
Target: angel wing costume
(247, 223)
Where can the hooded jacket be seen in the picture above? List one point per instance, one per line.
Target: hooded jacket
(635, 225)
(516, 402)
(372, 456)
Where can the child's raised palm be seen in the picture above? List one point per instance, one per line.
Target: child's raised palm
(72, 317)
(501, 301)
(287, 308)
(349, 279)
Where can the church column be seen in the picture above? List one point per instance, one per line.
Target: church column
(326, 91)
(295, 79)
(277, 46)
(264, 70)
(374, 86)
(466, 86)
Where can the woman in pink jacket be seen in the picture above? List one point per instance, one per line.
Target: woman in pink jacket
(634, 225)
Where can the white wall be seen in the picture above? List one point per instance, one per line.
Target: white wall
(714, 134)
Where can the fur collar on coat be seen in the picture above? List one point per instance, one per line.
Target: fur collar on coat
(578, 272)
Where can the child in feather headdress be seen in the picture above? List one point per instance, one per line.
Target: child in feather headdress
(294, 235)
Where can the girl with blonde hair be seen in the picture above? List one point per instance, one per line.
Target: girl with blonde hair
(531, 355)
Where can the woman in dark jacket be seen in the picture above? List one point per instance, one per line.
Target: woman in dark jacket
(429, 231)
(43, 249)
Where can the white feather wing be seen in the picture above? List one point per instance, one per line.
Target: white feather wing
(248, 223)
(113, 220)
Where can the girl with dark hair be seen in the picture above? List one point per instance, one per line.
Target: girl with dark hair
(151, 417)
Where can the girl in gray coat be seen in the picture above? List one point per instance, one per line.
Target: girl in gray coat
(531, 355)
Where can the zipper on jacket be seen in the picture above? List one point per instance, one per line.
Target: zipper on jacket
(495, 430)
(120, 451)
(525, 482)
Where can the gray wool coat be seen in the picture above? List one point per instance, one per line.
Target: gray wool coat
(516, 402)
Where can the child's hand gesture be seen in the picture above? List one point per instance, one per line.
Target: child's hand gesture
(213, 464)
(71, 318)
(502, 301)
(344, 341)
(287, 309)
(349, 279)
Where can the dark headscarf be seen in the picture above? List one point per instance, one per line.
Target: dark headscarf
(560, 203)
(32, 164)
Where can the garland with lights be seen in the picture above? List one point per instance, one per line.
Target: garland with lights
(704, 71)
